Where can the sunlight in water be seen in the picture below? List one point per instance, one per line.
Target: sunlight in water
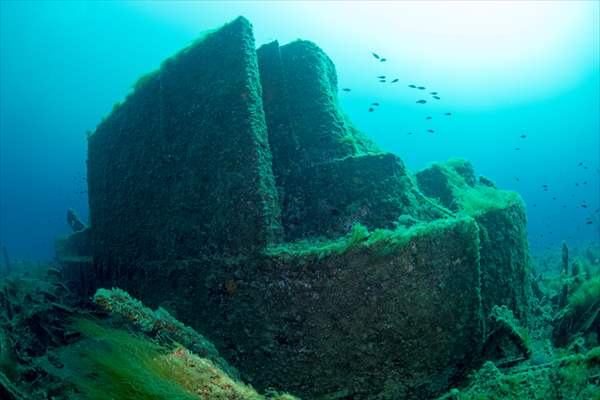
(489, 51)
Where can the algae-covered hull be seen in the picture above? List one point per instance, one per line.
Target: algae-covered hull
(231, 187)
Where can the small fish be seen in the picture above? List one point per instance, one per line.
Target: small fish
(375, 104)
(589, 222)
(553, 198)
(410, 133)
(448, 114)
(375, 55)
(412, 86)
(371, 109)
(517, 179)
(584, 206)
(383, 60)
(577, 184)
(382, 80)
(544, 186)
(517, 148)
(433, 93)
(436, 97)
(395, 80)
(430, 130)
(421, 87)
(428, 118)
(421, 101)
(346, 89)
(580, 164)
(585, 167)
(381, 77)
(585, 182)
(535, 205)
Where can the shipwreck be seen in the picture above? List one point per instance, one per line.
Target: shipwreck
(230, 189)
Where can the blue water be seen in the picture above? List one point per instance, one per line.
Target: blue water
(502, 71)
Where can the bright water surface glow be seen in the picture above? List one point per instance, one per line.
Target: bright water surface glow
(502, 68)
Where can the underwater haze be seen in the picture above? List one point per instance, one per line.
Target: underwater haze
(518, 87)
(375, 200)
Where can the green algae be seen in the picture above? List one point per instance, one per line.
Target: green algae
(586, 294)
(575, 376)
(144, 79)
(409, 269)
(502, 322)
(149, 77)
(360, 143)
(119, 302)
(579, 317)
(469, 197)
(132, 367)
(483, 199)
(127, 366)
(350, 141)
(565, 359)
(379, 240)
